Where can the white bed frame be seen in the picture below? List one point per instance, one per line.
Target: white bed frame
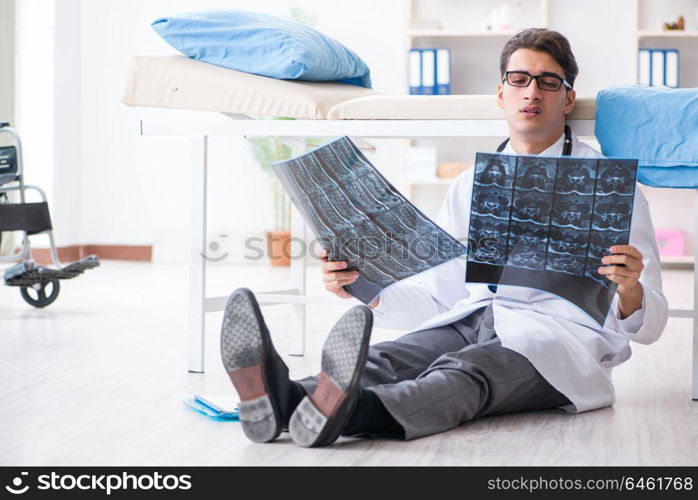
(198, 126)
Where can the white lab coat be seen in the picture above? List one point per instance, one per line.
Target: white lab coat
(566, 346)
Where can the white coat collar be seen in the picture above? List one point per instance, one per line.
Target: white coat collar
(554, 150)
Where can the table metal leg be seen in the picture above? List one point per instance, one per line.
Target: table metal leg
(197, 262)
(298, 282)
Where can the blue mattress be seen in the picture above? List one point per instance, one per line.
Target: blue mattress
(656, 125)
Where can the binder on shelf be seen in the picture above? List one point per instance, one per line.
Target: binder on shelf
(643, 67)
(671, 68)
(415, 71)
(428, 72)
(443, 71)
(656, 68)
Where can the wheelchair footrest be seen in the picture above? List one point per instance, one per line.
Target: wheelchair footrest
(29, 274)
(79, 267)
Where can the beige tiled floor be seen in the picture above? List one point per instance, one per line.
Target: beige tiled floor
(99, 378)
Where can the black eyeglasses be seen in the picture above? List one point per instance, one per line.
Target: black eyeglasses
(546, 81)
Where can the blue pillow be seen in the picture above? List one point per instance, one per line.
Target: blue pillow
(657, 125)
(263, 45)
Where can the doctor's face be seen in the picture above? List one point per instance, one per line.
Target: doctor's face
(532, 112)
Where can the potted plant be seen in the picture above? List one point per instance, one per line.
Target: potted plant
(268, 150)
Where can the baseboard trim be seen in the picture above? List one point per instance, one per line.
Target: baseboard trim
(113, 252)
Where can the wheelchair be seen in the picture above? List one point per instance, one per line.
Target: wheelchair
(39, 285)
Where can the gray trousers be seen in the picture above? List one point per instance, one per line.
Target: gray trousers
(434, 380)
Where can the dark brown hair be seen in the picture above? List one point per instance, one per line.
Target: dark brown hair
(542, 40)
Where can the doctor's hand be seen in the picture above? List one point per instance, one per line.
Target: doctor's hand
(335, 276)
(625, 267)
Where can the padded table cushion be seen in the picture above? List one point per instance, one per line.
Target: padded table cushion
(436, 107)
(179, 82)
(182, 83)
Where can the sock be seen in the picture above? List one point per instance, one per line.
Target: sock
(296, 394)
(371, 417)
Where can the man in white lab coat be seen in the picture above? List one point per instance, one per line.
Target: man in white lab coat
(474, 350)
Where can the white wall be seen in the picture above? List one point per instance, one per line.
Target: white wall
(7, 66)
(66, 197)
(35, 91)
(601, 34)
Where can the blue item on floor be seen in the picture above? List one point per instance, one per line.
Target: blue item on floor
(211, 407)
(656, 125)
(264, 45)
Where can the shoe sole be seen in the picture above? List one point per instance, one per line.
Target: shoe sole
(245, 344)
(319, 419)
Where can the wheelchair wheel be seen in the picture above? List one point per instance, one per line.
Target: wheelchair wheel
(42, 297)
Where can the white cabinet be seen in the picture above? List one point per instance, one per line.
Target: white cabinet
(651, 16)
(463, 27)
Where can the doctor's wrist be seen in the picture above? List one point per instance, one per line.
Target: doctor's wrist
(630, 300)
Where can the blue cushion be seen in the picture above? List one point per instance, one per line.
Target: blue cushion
(263, 45)
(656, 125)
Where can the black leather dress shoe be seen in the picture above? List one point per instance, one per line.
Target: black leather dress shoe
(320, 418)
(258, 373)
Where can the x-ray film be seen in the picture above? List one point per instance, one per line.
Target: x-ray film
(545, 223)
(359, 217)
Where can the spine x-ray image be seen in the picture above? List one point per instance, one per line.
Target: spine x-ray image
(359, 217)
(546, 222)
